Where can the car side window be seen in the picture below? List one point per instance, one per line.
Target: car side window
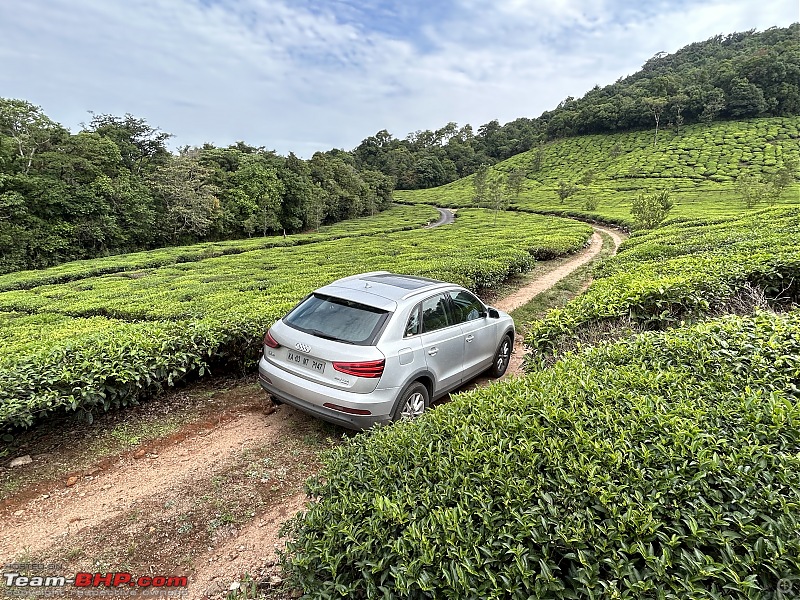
(466, 307)
(412, 327)
(434, 314)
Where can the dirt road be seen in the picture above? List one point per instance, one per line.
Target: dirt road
(205, 501)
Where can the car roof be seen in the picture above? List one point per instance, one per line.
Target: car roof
(382, 284)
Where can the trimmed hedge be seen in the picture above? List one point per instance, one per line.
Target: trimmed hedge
(682, 273)
(666, 466)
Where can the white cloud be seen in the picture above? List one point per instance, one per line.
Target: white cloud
(278, 74)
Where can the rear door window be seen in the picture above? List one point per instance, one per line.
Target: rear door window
(337, 319)
(435, 314)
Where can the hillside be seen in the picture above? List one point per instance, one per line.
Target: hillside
(699, 165)
(737, 76)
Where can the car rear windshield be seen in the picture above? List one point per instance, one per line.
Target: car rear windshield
(337, 319)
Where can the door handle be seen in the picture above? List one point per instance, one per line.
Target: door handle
(469, 338)
(433, 351)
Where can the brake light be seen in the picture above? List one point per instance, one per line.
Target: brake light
(368, 368)
(270, 341)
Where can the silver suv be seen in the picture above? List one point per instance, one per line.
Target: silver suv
(378, 347)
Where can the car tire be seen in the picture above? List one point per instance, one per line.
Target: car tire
(414, 401)
(275, 401)
(502, 357)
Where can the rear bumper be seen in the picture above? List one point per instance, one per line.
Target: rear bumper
(309, 397)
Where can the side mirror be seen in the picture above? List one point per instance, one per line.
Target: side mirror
(493, 314)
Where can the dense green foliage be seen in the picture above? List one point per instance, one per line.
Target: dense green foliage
(665, 466)
(683, 272)
(114, 187)
(738, 76)
(698, 166)
(98, 341)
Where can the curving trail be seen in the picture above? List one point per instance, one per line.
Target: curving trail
(446, 217)
(527, 293)
(549, 279)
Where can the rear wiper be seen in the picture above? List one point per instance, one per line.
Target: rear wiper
(326, 336)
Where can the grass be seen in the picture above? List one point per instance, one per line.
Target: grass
(137, 432)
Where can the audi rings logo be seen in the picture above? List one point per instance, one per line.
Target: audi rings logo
(303, 347)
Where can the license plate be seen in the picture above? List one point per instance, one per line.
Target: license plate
(306, 361)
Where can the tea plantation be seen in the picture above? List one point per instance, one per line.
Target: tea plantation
(699, 164)
(651, 452)
(98, 341)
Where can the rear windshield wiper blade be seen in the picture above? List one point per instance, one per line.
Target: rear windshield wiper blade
(326, 336)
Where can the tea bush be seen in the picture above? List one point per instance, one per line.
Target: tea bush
(665, 466)
(682, 272)
(396, 218)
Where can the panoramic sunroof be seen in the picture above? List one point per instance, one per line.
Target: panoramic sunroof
(407, 282)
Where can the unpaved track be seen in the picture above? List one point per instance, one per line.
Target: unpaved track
(129, 490)
(524, 295)
(541, 284)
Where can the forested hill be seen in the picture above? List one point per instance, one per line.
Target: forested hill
(736, 76)
(114, 187)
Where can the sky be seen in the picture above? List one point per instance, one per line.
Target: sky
(304, 76)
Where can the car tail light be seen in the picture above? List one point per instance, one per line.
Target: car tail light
(270, 341)
(368, 368)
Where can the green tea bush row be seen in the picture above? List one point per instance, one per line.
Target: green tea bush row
(683, 272)
(97, 364)
(471, 252)
(396, 218)
(98, 342)
(665, 466)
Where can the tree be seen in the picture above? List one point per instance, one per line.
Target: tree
(295, 176)
(537, 161)
(315, 207)
(591, 202)
(679, 102)
(656, 107)
(29, 127)
(140, 145)
(565, 190)
(649, 210)
(515, 181)
(753, 190)
(189, 203)
(713, 105)
(479, 184)
(588, 176)
(257, 186)
(784, 176)
(745, 99)
(497, 196)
